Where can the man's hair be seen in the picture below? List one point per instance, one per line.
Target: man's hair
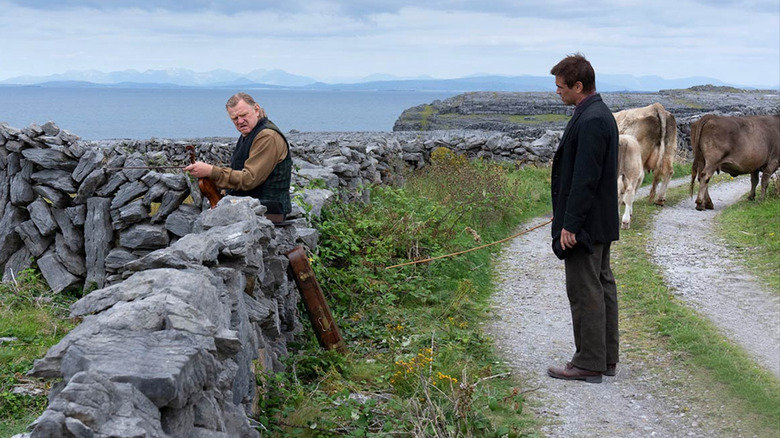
(575, 68)
(238, 97)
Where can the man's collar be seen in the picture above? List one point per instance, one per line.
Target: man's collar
(585, 99)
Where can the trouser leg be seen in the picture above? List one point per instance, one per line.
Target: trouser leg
(611, 307)
(592, 294)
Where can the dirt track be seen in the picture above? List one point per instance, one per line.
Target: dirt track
(649, 396)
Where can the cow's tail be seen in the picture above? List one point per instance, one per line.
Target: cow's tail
(659, 112)
(698, 157)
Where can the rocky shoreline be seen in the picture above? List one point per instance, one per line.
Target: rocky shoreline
(526, 116)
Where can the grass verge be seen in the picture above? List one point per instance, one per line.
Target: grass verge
(651, 311)
(418, 362)
(32, 319)
(752, 230)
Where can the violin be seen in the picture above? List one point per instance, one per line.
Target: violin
(206, 186)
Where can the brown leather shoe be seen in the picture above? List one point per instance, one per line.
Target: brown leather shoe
(611, 369)
(570, 372)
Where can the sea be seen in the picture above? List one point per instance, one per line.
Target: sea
(186, 113)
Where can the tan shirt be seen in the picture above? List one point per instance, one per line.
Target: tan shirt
(268, 149)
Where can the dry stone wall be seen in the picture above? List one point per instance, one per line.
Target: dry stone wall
(186, 304)
(53, 187)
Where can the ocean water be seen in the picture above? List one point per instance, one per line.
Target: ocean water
(111, 113)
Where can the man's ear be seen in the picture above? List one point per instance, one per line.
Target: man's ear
(578, 87)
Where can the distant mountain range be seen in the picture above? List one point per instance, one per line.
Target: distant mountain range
(175, 78)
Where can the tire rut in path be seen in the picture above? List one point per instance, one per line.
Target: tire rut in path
(532, 330)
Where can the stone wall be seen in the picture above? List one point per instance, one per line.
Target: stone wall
(186, 304)
(527, 115)
(53, 187)
(173, 348)
(189, 303)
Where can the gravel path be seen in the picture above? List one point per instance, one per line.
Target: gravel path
(698, 268)
(649, 396)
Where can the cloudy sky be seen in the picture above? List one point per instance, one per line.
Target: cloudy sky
(330, 40)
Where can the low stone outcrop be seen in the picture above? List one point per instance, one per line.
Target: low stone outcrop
(173, 348)
(527, 115)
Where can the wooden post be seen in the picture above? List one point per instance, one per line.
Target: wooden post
(319, 313)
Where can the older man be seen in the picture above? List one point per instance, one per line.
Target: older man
(261, 166)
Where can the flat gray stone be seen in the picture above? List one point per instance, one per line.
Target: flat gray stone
(182, 221)
(90, 160)
(50, 159)
(10, 240)
(127, 193)
(57, 276)
(57, 198)
(171, 200)
(97, 241)
(72, 235)
(56, 179)
(155, 192)
(40, 214)
(21, 191)
(144, 236)
(18, 262)
(117, 258)
(33, 239)
(89, 186)
(72, 260)
(129, 214)
(77, 214)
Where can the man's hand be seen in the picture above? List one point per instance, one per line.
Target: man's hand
(568, 240)
(199, 169)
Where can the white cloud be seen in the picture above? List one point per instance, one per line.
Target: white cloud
(735, 41)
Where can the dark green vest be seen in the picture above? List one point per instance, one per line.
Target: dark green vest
(277, 186)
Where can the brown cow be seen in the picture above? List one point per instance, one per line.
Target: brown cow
(656, 131)
(630, 175)
(735, 145)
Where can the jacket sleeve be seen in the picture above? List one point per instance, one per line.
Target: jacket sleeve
(592, 145)
(267, 150)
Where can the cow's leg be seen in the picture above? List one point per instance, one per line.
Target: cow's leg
(703, 200)
(707, 200)
(753, 184)
(765, 177)
(667, 170)
(628, 199)
(656, 177)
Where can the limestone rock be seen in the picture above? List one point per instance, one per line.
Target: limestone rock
(42, 217)
(144, 236)
(97, 241)
(56, 275)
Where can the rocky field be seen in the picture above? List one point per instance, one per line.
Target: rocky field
(527, 115)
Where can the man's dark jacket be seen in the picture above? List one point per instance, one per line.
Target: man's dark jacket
(584, 176)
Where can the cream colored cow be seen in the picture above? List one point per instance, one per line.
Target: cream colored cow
(630, 175)
(656, 131)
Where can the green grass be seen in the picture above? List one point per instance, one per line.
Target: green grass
(413, 332)
(36, 320)
(425, 116)
(654, 318)
(752, 229)
(538, 118)
(521, 119)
